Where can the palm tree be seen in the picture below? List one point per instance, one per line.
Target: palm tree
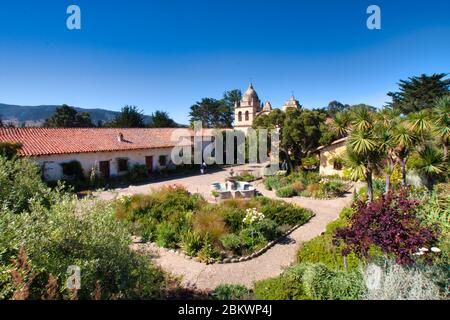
(362, 118)
(442, 122)
(431, 164)
(364, 154)
(388, 117)
(404, 140)
(341, 124)
(420, 123)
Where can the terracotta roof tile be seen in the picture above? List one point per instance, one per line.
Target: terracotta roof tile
(47, 141)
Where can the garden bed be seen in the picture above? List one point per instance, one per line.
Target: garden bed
(232, 231)
(307, 185)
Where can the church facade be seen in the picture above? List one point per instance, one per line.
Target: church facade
(251, 107)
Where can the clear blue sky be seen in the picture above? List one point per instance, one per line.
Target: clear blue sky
(161, 54)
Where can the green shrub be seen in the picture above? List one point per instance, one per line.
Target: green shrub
(280, 288)
(312, 281)
(191, 243)
(272, 183)
(321, 248)
(208, 253)
(284, 213)
(268, 228)
(8, 150)
(166, 235)
(147, 228)
(231, 242)
(24, 184)
(252, 238)
(323, 283)
(231, 292)
(286, 192)
(233, 218)
(56, 237)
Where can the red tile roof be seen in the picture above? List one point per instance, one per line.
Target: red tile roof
(48, 141)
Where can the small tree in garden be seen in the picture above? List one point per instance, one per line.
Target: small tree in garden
(388, 223)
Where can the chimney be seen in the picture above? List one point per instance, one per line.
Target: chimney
(120, 137)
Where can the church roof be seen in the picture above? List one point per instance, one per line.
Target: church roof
(267, 106)
(250, 94)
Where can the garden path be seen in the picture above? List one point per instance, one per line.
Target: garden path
(270, 264)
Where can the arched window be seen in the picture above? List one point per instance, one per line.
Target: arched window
(240, 116)
(246, 115)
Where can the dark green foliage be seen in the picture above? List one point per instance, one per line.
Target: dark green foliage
(46, 225)
(283, 213)
(286, 192)
(288, 286)
(321, 248)
(212, 113)
(9, 150)
(129, 117)
(311, 281)
(68, 117)
(231, 292)
(231, 242)
(161, 119)
(418, 93)
(166, 235)
(20, 182)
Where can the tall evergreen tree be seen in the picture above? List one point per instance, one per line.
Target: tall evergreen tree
(161, 119)
(129, 117)
(418, 93)
(67, 117)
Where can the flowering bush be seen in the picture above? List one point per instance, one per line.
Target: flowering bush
(388, 223)
(252, 216)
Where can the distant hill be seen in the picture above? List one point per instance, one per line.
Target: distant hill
(36, 115)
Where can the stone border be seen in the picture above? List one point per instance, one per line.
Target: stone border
(234, 259)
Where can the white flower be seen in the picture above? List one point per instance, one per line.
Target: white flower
(434, 249)
(423, 250)
(420, 253)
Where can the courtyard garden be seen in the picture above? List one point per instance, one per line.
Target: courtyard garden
(176, 219)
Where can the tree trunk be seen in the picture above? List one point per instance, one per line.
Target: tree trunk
(388, 183)
(369, 186)
(445, 151)
(288, 159)
(403, 165)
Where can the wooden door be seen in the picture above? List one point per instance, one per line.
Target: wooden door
(104, 169)
(149, 164)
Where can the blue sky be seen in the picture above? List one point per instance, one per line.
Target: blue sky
(167, 55)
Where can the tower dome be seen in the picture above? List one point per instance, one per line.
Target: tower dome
(250, 96)
(291, 103)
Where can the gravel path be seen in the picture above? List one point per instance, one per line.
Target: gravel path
(270, 264)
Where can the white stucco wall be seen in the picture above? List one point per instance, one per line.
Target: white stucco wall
(52, 164)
